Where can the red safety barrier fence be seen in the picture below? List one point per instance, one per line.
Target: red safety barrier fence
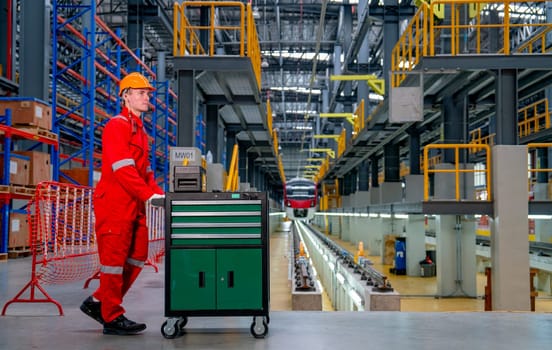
(155, 218)
(63, 240)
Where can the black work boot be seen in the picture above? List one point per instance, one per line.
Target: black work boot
(123, 326)
(92, 308)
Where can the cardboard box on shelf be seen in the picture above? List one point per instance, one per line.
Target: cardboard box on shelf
(80, 175)
(40, 166)
(28, 112)
(19, 231)
(19, 169)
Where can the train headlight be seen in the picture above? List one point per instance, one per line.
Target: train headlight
(288, 203)
(312, 204)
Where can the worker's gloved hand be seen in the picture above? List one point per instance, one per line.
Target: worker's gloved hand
(157, 200)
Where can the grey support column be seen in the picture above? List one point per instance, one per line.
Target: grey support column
(392, 162)
(414, 150)
(414, 182)
(348, 85)
(362, 196)
(391, 188)
(415, 243)
(186, 108)
(506, 107)
(374, 193)
(454, 124)
(509, 243)
(35, 49)
(390, 37)
(456, 263)
(213, 132)
(137, 14)
(363, 176)
(7, 60)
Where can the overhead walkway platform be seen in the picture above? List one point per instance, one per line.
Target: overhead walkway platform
(224, 77)
(444, 62)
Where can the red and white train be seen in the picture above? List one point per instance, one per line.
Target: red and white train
(300, 198)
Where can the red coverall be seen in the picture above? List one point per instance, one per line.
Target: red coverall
(127, 181)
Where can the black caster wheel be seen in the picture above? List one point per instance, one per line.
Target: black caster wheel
(169, 329)
(259, 329)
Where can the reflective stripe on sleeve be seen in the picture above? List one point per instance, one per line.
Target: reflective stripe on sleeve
(135, 262)
(122, 163)
(114, 270)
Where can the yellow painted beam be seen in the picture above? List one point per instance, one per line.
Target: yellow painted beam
(335, 137)
(348, 77)
(378, 85)
(327, 150)
(336, 115)
(349, 116)
(313, 166)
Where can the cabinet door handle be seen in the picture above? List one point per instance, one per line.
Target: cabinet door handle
(230, 279)
(201, 279)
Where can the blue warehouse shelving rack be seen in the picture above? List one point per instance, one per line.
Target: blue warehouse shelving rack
(8, 192)
(86, 69)
(87, 61)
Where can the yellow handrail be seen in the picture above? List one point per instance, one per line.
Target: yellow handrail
(457, 170)
(539, 170)
(539, 145)
(425, 31)
(186, 36)
(341, 143)
(268, 115)
(233, 171)
(534, 118)
(185, 39)
(358, 116)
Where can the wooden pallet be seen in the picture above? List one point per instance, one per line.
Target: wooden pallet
(19, 252)
(4, 189)
(38, 131)
(23, 190)
(3, 256)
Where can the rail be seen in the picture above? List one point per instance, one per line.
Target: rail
(477, 138)
(535, 170)
(187, 35)
(457, 170)
(534, 118)
(372, 276)
(468, 29)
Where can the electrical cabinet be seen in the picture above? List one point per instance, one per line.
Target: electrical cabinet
(217, 258)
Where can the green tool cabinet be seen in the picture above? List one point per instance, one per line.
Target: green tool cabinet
(216, 258)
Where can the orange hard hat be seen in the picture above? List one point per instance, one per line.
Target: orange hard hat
(134, 80)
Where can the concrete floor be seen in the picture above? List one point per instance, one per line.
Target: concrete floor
(30, 326)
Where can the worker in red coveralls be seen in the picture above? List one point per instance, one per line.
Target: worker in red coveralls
(126, 184)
